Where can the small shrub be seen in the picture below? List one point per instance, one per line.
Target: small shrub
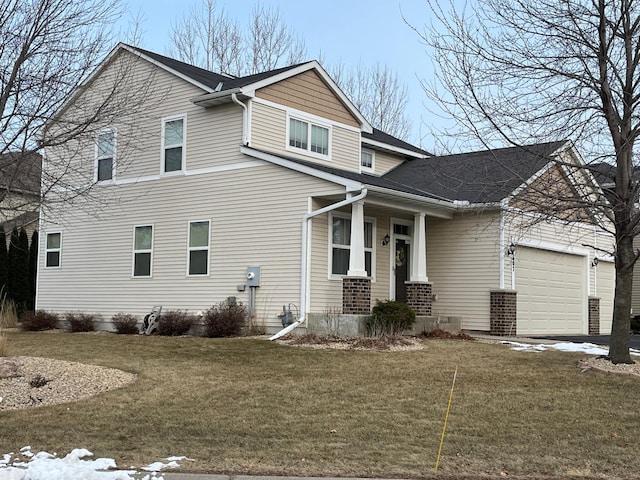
(174, 323)
(125, 323)
(39, 320)
(38, 381)
(439, 333)
(82, 322)
(390, 318)
(224, 320)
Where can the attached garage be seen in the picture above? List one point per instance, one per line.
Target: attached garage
(552, 292)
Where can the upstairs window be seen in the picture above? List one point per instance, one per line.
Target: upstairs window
(308, 136)
(173, 148)
(142, 250)
(53, 249)
(366, 160)
(199, 247)
(341, 241)
(105, 154)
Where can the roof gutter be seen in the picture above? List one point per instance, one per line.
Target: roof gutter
(443, 202)
(214, 98)
(304, 270)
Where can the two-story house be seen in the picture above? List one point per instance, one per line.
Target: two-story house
(274, 189)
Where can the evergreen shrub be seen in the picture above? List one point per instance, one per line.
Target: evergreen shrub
(390, 318)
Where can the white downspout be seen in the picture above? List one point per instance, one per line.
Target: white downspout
(245, 140)
(304, 279)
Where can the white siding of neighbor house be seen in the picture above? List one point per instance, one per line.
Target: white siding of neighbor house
(463, 265)
(269, 130)
(635, 293)
(604, 290)
(255, 216)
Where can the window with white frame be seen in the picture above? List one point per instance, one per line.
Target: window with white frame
(367, 160)
(340, 244)
(105, 155)
(199, 247)
(173, 151)
(53, 249)
(142, 250)
(309, 136)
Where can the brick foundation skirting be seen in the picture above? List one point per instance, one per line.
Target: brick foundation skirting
(356, 295)
(594, 316)
(419, 297)
(503, 312)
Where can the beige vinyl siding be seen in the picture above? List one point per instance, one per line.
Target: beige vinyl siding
(326, 292)
(269, 130)
(308, 92)
(211, 134)
(605, 285)
(463, 265)
(345, 149)
(256, 225)
(385, 161)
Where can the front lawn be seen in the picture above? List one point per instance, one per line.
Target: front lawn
(247, 406)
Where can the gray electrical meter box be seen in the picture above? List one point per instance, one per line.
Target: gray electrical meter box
(253, 276)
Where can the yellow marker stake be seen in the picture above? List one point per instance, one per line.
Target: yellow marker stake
(444, 428)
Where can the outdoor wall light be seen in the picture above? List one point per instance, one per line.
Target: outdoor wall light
(511, 249)
(385, 240)
(595, 261)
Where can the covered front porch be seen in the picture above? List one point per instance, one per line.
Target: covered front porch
(371, 246)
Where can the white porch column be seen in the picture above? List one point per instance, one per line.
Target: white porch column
(356, 257)
(419, 250)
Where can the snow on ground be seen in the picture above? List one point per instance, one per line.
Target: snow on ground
(74, 466)
(588, 348)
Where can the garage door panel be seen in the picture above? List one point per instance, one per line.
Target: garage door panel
(551, 292)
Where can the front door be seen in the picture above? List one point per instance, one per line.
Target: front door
(401, 269)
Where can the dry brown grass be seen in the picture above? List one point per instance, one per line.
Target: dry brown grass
(4, 343)
(8, 314)
(248, 406)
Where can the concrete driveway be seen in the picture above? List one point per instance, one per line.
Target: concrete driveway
(597, 339)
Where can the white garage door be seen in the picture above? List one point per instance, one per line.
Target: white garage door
(551, 290)
(604, 289)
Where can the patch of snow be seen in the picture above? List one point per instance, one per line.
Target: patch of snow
(172, 463)
(588, 348)
(74, 466)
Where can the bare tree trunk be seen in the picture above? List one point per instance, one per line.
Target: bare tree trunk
(619, 343)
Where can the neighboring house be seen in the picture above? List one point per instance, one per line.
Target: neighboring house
(20, 175)
(273, 189)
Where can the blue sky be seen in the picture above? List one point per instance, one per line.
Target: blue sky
(350, 31)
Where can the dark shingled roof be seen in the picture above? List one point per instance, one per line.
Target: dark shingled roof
(211, 79)
(485, 176)
(380, 136)
(364, 178)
